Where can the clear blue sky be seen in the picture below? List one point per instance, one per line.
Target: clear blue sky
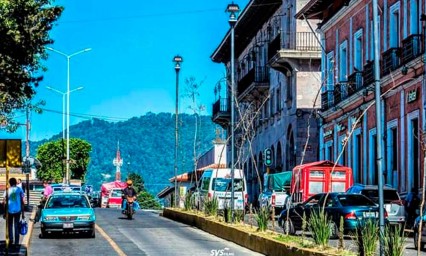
(129, 70)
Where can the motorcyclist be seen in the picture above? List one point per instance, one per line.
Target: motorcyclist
(128, 191)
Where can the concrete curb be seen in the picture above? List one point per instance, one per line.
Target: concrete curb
(253, 241)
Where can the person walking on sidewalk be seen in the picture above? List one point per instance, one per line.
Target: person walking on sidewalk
(15, 210)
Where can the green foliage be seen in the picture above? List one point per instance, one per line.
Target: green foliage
(394, 241)
(24, 33)
(147, 145)
(341, 245)
(262, 217)
(137, 180)
(147, 201)
(187, 203)
(367, 237)
(211, 206)
(52, 156)
(239, 215)
(319, 225)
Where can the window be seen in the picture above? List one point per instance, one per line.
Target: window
(329, 73)
(414, 17)
(394, 26)
(278, 98)
(343, 62)
(358, 50)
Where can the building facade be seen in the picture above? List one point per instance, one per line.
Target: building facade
(347, 133)
(277, 82)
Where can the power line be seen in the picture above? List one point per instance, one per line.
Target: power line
(88, 116)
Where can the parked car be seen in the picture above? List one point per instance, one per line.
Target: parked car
(68, 212)
(95, 198)
(422, 232)
(392, 201)
(354, 208)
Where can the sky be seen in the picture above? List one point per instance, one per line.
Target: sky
(129, 70)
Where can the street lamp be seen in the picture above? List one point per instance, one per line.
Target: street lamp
(67, 176)
(177, 60)
(63, 104)
(233, 10)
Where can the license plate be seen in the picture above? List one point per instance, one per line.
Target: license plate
(68, 225)
(369, 214)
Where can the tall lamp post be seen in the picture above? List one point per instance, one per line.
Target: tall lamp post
(233, 10)
(63, 105)
(177, 60)
(68, 56)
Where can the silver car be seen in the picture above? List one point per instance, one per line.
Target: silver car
(392, 201)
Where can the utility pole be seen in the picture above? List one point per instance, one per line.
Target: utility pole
(379, 133)
(27, 154)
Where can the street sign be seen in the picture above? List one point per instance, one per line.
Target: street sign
(268, 157)
(10, 149)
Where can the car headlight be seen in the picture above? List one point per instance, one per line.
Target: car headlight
(84, 217)
(50, 218)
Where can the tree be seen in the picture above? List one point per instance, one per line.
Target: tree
(138, 182)
(147, 201)
(52, 155)
(24, 33)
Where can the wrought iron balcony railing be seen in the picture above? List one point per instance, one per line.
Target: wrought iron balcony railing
(256, 75)
(301, 41)
(368, 73)
(412, 47)
(390, 60)
(340, 92)
(221, 112)
(327, 100)
(354, 82)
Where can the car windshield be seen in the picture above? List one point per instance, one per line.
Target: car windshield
(388, 195)
(354, 200)
(224, 184)
(116, 193)
(67, 201)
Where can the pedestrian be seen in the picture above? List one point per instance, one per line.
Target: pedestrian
(47, 191)
(412, 202)
(19, 184)
(15, 208)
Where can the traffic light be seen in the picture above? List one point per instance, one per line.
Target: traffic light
(268, 157)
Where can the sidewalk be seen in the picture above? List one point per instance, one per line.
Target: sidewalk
(25, 240)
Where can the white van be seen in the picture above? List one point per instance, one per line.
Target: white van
(217, 183)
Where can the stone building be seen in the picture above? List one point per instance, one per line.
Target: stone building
(277, 82)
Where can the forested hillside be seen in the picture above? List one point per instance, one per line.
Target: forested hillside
(147, 146)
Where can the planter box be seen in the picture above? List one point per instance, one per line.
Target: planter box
(254, 241)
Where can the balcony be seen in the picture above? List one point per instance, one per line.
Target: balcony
(390, 60)
(354, 82)
(254, 83)
(327, 99)
(221, 112)
(340, 92)
(368, 73)
(295, 45)
(274, 46)
(411, 48)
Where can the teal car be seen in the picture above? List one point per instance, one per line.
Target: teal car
(68, 212)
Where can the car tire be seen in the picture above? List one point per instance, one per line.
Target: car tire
(288, 227)
(416, 237)
(92, 233)
(334, 232)
(43, 234)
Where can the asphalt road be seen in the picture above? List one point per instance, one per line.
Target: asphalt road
(147, 234)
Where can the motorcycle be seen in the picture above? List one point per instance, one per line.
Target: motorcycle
(129, 211)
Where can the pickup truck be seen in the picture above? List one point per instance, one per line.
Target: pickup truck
(278, 184)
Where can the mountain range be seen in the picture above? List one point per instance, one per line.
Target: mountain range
(146, 145)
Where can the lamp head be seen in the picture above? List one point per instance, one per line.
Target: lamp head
(177, 60)
(233, 10)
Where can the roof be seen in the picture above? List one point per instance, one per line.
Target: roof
(320, 9)
(212, 166)
(251, 20)
(324, 163)
(163, 193)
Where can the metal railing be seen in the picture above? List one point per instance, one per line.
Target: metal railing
(411, 47)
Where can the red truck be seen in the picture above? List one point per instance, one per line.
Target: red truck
(110, 192)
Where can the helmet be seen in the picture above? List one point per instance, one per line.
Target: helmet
(129, 182)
